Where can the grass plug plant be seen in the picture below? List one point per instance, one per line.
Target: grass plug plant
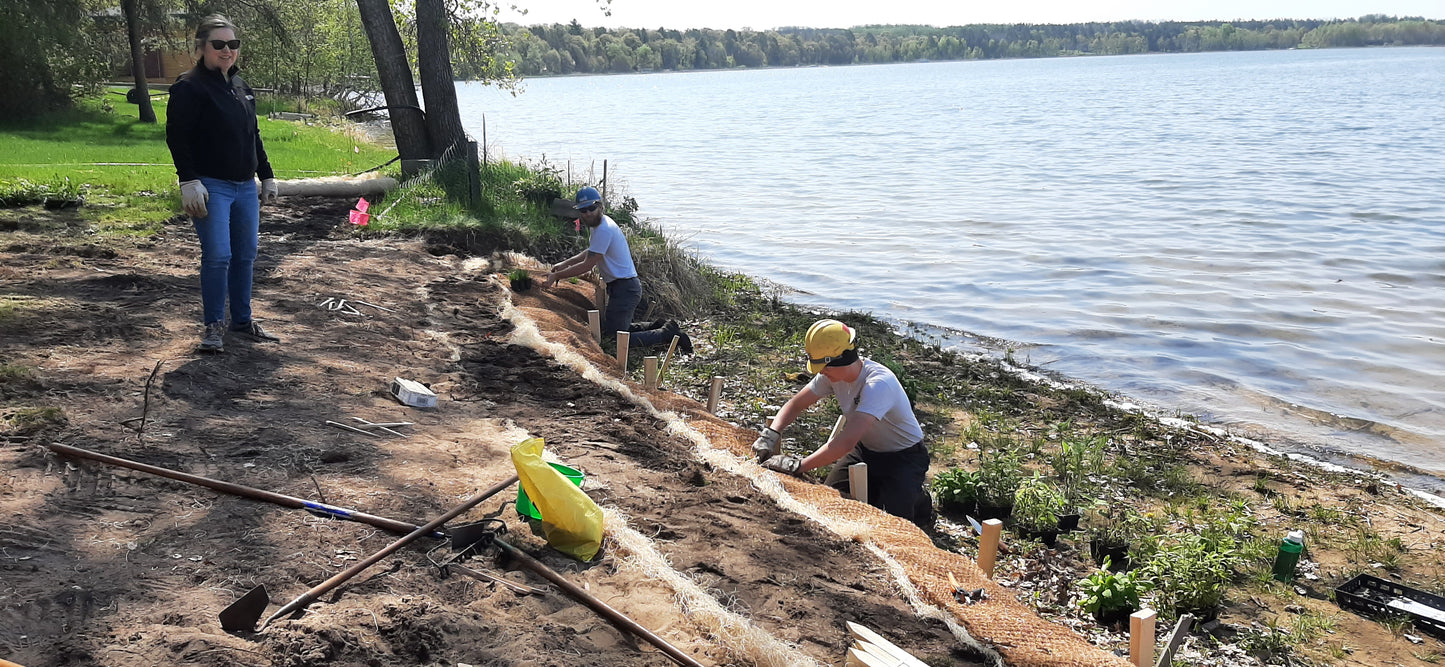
(520, 279)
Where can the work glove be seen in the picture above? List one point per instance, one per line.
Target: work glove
(784, 463)
(767, 444)
(194, 197)
(269, 191)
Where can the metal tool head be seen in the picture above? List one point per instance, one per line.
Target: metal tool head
(243, 614)
(478, 534)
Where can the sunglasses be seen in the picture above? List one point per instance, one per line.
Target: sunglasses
(588, 209)
(219, 44)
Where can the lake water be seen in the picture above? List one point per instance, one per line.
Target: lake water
(1257, 239)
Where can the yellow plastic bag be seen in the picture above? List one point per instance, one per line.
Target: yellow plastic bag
(570, 520)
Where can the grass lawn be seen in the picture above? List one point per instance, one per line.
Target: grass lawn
(123, 167)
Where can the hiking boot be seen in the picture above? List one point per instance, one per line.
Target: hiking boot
(253, 330)
(684, 344)
(214, 340)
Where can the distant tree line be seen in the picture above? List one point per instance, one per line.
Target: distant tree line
(567, 49)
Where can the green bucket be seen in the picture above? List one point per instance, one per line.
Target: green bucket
(524, 504)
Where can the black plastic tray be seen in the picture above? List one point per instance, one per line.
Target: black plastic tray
(1371, 596)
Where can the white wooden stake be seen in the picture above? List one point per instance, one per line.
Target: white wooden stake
(623, 339)
(858, 482)
(1141, 637)
(714, 393)
(594, 324)
(599, 295)
(649, 372)
(837, 426)
(988, 546)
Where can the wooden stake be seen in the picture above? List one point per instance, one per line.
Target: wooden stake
(623, 339)
(714, 393)
(868, 655)
(858, 482)
(988, 546)
(594, 324)
(649, 372)
(1181, 630)
(668, 359)
(599, 295)
(837, 426)
(1141, 637)
(863, 634)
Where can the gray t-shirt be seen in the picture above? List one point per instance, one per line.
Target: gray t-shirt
(607, 240)
(876, 392)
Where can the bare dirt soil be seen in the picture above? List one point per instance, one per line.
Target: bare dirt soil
(104, 566)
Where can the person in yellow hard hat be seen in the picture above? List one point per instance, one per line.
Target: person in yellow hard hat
(879, 427)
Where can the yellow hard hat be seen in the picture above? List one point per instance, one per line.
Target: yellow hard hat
(825, 342)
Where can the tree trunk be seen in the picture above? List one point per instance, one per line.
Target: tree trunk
(434, 59)
(408, 123)
(142, 92)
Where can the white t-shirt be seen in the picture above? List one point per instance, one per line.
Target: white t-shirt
(607, 240)
(876, 392)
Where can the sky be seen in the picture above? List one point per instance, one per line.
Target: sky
(766, 14)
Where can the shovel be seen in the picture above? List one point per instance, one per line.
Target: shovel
(242, 614)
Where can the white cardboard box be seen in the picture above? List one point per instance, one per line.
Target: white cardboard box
(412, 393)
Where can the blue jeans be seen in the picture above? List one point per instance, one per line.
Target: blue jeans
(228, 236)
(623, 295)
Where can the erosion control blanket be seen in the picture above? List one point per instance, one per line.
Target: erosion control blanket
(570, 520)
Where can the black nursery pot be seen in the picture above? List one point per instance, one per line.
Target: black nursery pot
(986, 512)
(1112, 618)
(954, 508)
(1068, 523)
(1048, 537)
(1118, 556)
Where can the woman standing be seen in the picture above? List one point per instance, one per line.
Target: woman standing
(216, 146)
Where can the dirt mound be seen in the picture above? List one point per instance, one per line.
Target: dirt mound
(104, 566)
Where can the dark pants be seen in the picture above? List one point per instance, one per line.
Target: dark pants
(623, 295)
(895, 479)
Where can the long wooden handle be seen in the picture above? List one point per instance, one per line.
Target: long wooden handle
(340, 578)
(602, 608)
(243, 491)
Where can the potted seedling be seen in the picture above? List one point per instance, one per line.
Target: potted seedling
(1110, 596)
(1189, 574)
(1037, 504)
(520, 279)
(956, 490)
(1110, 534)
(999, 473)
(1076, 459)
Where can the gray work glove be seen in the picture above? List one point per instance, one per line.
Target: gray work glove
(194, 197)
(269, 191)
(785, 463)
(767, 444)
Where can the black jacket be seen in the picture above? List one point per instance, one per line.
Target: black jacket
(211, 127)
